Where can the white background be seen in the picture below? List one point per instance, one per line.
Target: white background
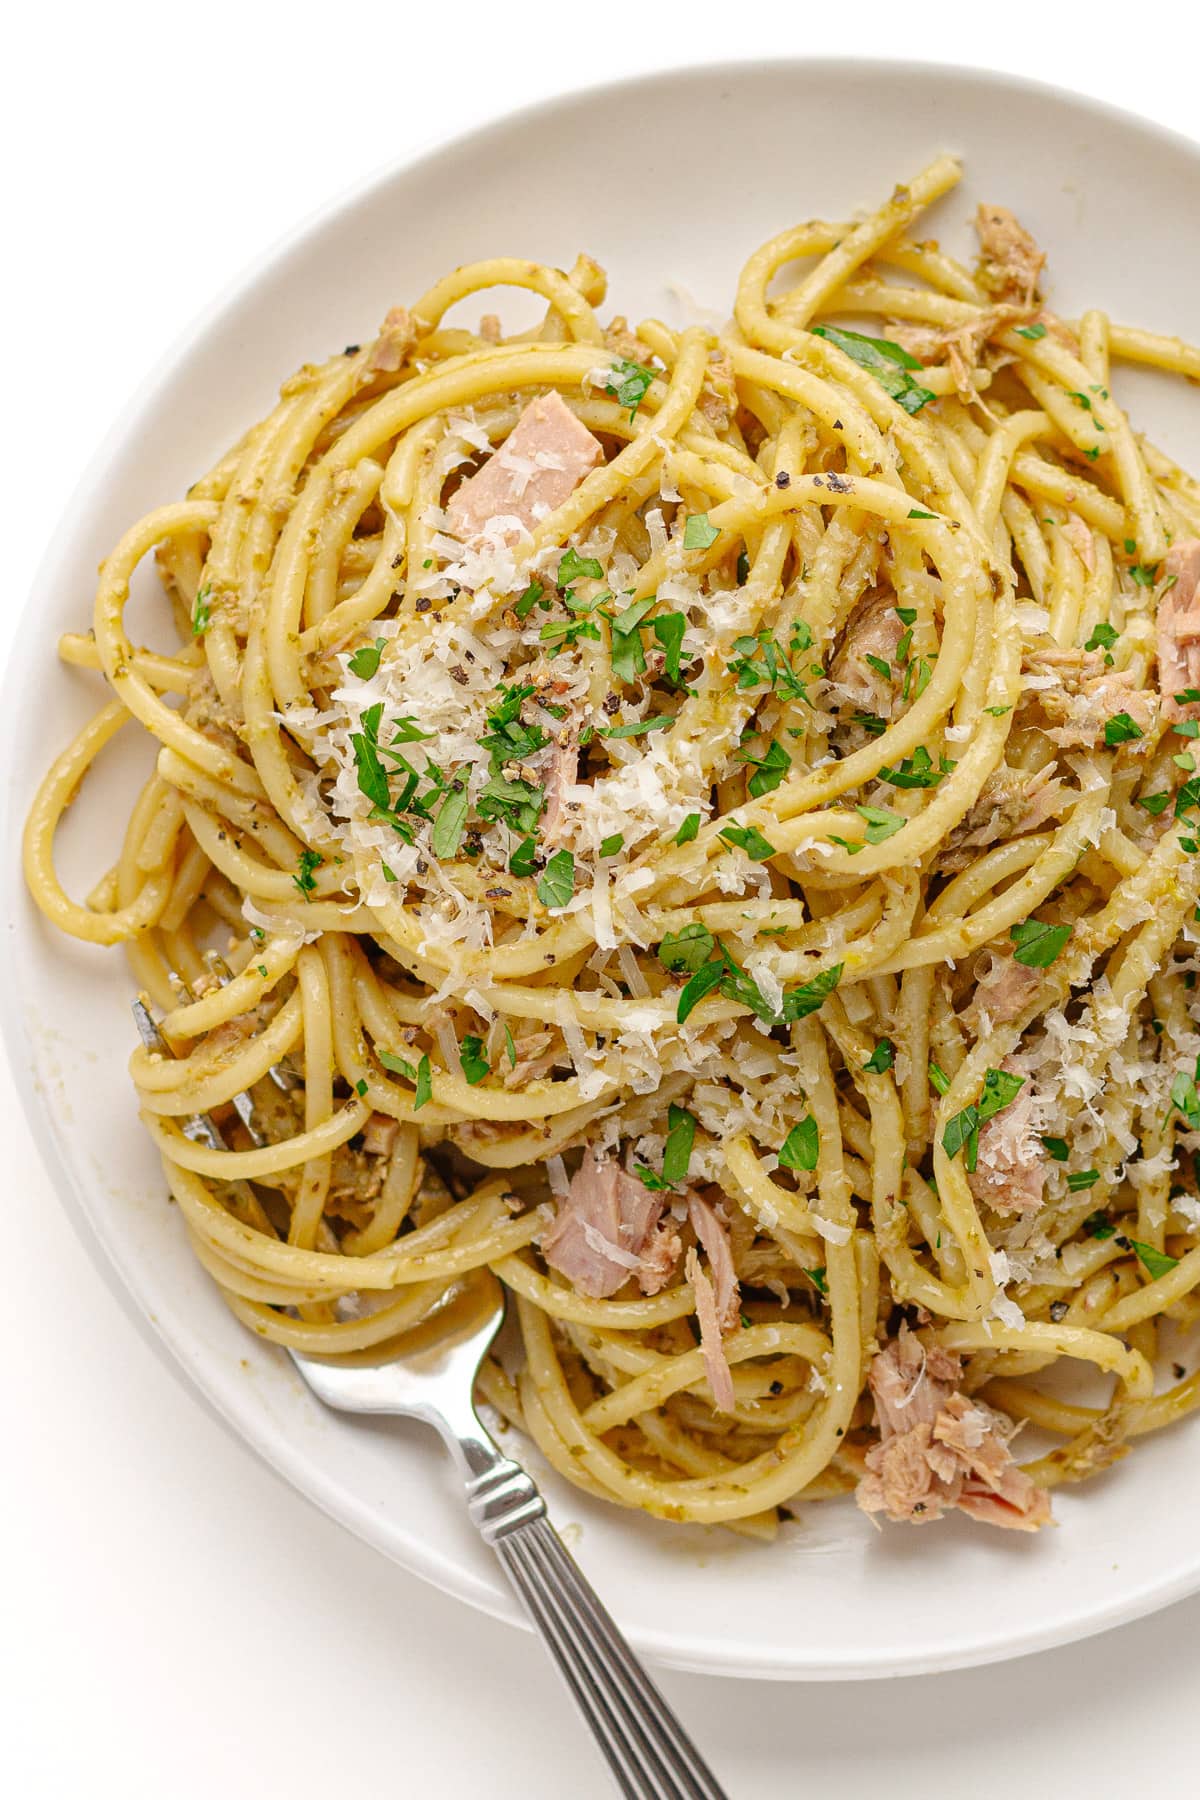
(174, 1619)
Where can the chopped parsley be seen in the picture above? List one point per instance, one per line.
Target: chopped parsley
(1000, 1089)
(510, 1049)
(761, 661)
(918, 512)
(307, 863)
(1185, 1100)
(882, 823)
(1057, 1147)
(769, 768)
(818, 1279)
(556, 883)
(474, 1062)
(689, 829)
(881, 1058)
(1037, 944)
(365, 661)
(938, 1079)
(515, 803)
(451, 821)
(669, 629)
(1154, 803)
(1083, 1178)
(802, 1145)
(1145, 574)
(628, 383)
(202, 610)
(360, 1088)
(422, 1075)
(637, 727)
(1121, 729)
(528, 600)
(917, 770)
(688, 949)
(889, 363)
(1032, 332)
(1099, 1225)
(748, 838)
(677, 1151)
(1103, 638)
(698, 534)
(523, 860)
(1155, 1262)
(610, 845)
(573, 567)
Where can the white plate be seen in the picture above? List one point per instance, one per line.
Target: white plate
(669, 180)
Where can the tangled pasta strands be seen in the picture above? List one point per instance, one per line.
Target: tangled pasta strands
(802, 687)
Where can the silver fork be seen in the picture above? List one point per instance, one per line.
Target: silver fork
(650, 1755)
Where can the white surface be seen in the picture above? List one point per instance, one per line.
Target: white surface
(697, 1599)
(170, 1606)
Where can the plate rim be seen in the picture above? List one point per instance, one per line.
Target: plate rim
(278, 1451)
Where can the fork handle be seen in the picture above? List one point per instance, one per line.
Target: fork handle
(649, 1753)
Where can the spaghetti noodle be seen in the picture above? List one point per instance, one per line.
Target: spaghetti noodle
(703, 826)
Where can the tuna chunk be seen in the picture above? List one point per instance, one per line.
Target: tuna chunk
(1072, 696)
(1010, 261)
(397, 336)
(718, 1300)
(938, 1448)
(1009, 1175)
(1010, 803)
(608, 1229)
(1003, 991)
(716, 1364)
(1178, 629)
(874, 628)
(539, 465)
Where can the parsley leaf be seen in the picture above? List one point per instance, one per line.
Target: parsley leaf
(202, 610)
(523, 860)
(748, 838)
(1099, 1225)
(1103, 638)
(1032, 332)
(818, 1279)
(515, 803)
(424, 1084)
(677, 1151)
(1057, 1147)
(573, 567)
(882, 823)
(396, 1065)
(1000, 1089)
(306, 864)
(365, 661)
(1038, 944)
(474, 1062)
(528, 600)
(610, 845)
(1186, 1100)
(637, 727)
(689, 829)
(886, 361)
(688, 949)
(1121, 729)
(938, 1079)
(916, 771)
(451, 821)
(1083, 1178)
(698, 534)
(669, 628)
(701, 983)
(881, 1058)
(1155, 1262)
(556, 883)
(630, 390)
(769, 768)
(801, 1147)
(810, 996)
(510, 1049)
(1145, 574)
(1154, 803)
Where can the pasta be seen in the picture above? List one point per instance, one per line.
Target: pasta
(699, 826)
